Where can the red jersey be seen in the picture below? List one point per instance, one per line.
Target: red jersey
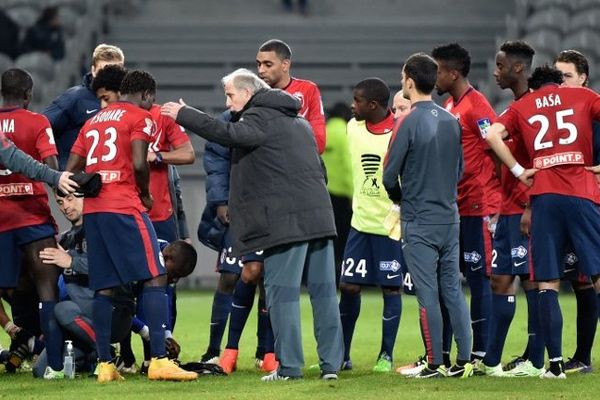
(23, 201)
(555, 125)
(514, 193)
(169, 135)
(311, 107)
(105, 142)
(478, 189)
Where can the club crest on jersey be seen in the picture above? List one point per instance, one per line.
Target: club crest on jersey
(484, 125)
(571, 259)
(300, 97)
(518, 252)
(472, 257)
(392, 266)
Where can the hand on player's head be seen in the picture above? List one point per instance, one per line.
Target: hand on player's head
(171, 109)
(65, 184)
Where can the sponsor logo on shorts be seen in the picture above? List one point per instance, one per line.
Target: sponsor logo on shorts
(571, 259)
(392, 266)
(518, 252)
(472, 257)
(484, 125)
(569, 157)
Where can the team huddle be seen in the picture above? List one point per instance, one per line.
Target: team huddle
(439, 192)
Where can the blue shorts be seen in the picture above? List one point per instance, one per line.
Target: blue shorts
(475, 246)
(511, 249)
(372, 260)
(556, 222)
(572, 270)
(166, 230)
(122, 248)
(11, 243)
(227, 263)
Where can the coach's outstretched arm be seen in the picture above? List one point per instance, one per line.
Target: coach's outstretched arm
(18, 161)
(246, 132)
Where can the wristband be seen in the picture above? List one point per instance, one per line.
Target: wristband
(159, 158)
(517, 170)
(9, 327)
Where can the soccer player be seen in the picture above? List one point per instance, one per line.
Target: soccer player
(370, 257)
(575, 69)
(426, 154)
(478, 186)
(69, 111)
(114, 143)
(511, 247)
(273, 63)
(554, 124)
(27, 225)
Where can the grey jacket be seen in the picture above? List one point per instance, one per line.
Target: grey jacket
(277, 186)
(18, 161)
(426, 153)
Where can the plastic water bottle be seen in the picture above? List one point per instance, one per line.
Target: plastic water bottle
(69, 362)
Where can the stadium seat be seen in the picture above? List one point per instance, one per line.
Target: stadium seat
(542, 4)
(24, 15)
(585, 19)
(38, 63)
(544, 40)
(553, 18)
(585, 41)
(5, 62)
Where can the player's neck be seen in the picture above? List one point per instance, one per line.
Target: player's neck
(11, 103)
(380, 116)
(460, 89)
(415, 97)
(79, 222)
(283, 83)
(520, 89)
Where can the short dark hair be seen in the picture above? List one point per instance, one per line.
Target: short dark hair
(280, 48)
(15, 82)
(577, 59)
(422, 69)
(185, 256)
(456, 56)
(519, 49)
(138, 81)
(543, 75)
(374, 89)
(110, 78)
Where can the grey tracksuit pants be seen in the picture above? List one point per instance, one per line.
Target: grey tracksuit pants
(285, 268)
(432, 257)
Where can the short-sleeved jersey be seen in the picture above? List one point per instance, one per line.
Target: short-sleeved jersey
(555, 125)
(311, 107)
(368, 146)
(514, 193)
(478, 189)
(105, 142)
(168, 135)
(23, 201)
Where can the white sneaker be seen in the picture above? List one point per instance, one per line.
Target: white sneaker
(550, 375)
(496, 372)
(414, 371)
(525, 370)
(274, 376)
(49, 373)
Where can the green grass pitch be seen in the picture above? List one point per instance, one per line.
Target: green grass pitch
(361, 383)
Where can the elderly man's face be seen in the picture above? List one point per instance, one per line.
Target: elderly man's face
(236, 98)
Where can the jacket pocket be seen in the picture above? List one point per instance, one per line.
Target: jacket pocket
(256, 223)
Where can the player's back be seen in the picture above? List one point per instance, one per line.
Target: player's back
(23, 201)
(555, 123)
(105, 142)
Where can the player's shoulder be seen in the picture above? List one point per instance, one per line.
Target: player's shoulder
(478, 99)
(303, 84)
(33, 118)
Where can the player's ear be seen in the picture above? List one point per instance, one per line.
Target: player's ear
(286, 64)
(518, 66)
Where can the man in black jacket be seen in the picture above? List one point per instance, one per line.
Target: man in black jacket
(278, 202)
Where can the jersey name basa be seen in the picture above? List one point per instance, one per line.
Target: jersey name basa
(548, 101)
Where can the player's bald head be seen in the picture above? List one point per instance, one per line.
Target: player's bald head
(16, 83)
(374, 89)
